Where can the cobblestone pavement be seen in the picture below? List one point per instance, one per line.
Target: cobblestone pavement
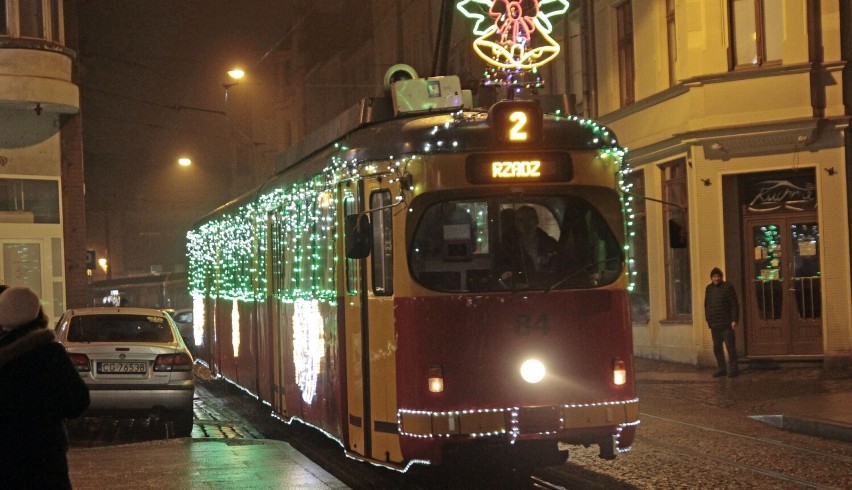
(696, 432)
(214, 418)
(699, 432)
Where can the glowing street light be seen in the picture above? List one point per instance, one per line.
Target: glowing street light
(236, 73)
(184, 161)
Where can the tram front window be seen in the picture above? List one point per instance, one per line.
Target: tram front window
(546, 242)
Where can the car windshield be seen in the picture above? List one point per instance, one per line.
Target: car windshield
(514, 243)
(119, 328)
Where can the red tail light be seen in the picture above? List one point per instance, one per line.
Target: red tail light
(173, 362)
(80, 362)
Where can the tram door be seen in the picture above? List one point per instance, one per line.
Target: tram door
(369, 328)
(783, 296)
(354, 311)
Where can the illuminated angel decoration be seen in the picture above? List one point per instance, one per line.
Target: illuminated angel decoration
(514, 34)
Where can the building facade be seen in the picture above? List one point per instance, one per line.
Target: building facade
(41, 191)
(736, 115)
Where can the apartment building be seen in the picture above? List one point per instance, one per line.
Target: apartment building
(41, 179)
(736, 115)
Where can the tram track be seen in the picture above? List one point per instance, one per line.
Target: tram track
(731, 463)
(774, 442)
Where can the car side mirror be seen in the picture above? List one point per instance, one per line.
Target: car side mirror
(358, 236)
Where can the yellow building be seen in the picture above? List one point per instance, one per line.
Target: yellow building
(736, 115)
(41, 198)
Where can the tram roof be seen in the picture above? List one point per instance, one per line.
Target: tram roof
(369, 130)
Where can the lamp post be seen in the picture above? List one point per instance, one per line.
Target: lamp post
(235, 74)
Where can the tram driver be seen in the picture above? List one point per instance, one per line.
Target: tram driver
(527, 250)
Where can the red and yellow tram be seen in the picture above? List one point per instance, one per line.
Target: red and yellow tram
(427, 285)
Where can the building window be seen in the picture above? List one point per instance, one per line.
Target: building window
(32, 19)
(637, 240)
(757, 31)
(29, 201)
(671, 33)
(676, 218)
(576, 59)
(624, 14)
(56, 25)
(4, 30)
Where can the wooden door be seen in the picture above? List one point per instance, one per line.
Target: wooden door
(783, 293)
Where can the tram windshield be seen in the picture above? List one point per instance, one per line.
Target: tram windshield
(505, 243)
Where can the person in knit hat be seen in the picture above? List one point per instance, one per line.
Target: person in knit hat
(39, 389)
(722, 310)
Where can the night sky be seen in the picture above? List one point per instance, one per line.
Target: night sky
(152, 75)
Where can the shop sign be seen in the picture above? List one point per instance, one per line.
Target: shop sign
(781, 195)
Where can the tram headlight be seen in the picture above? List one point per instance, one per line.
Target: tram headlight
(436, 379)
(619, 372)
(532, 370)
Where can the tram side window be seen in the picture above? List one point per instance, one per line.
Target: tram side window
(275, 252)
(353, 271)
(323, 246)
(382, 255)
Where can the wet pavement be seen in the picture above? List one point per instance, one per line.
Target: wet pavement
(799, 397)
(231, 448)
(227, 449)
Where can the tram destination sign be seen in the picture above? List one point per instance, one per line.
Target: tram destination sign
(498, 168)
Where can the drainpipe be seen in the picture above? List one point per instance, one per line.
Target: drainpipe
(591, 59)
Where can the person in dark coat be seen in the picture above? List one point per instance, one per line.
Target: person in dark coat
(39, 389)
(722, 310)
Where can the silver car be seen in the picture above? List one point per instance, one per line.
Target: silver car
(131, 359)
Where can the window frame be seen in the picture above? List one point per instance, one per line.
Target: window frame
(626, 55)
(353, 266)
(760, 41)
(52, 27)
(678, 273)
(381, 221)
(671, 37)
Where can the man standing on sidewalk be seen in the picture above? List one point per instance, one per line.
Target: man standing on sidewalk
(721, 310)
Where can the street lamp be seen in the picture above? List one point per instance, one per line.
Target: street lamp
(184, 161)
(235, 74)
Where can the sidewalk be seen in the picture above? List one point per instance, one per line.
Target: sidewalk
(198, 464)
(226, 451)
(799, 397)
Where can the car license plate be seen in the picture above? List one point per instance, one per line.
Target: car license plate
(122, 367)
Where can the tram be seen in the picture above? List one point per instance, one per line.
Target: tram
(428, 284)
